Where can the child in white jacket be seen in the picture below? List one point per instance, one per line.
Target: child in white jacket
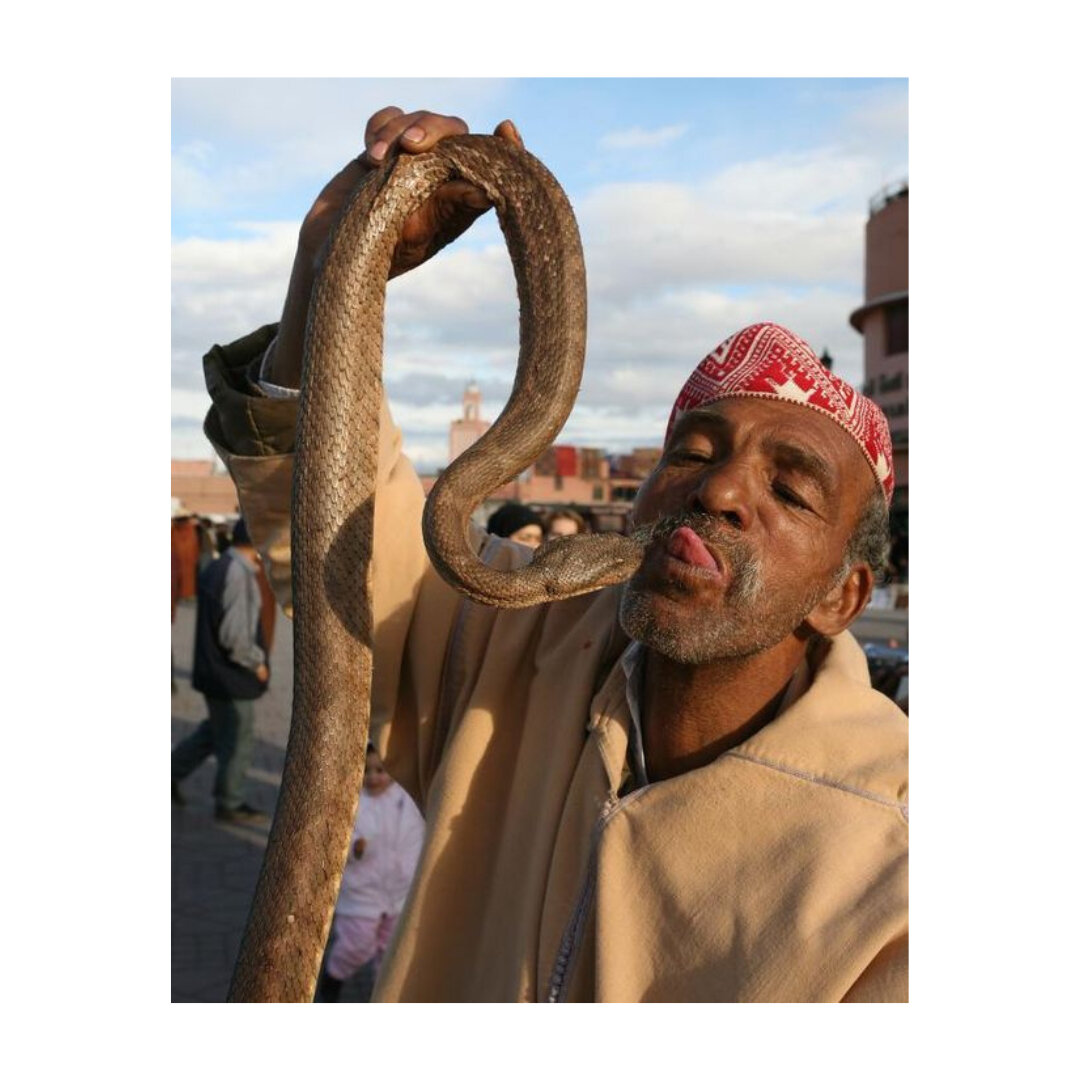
(387, 836)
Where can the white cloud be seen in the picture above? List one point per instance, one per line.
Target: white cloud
(193, 184)
(877, 128)
(639, 356)
(261, 247)
(795, 219)
(884, 118)
(249, 109)
(290, 130)
(221, 289)
(463, 296)
(190, 404)
(793, 183)
(672, 268)
(637, 138)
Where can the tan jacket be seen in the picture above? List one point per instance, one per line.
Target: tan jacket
(776, 873)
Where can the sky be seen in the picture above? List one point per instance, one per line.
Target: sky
(704, 205)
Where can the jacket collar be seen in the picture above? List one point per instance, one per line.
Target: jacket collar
(832, 727)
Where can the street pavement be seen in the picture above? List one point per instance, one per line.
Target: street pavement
(215, 866)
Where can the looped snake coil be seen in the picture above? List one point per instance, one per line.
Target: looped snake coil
(333, 514)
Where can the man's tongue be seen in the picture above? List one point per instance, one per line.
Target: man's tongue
(685, 544)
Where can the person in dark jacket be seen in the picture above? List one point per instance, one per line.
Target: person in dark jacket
(518, 523)
(231, 670)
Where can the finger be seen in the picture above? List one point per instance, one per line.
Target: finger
(414, 132)
(462, 193)
(379, 137)
(428, 128)
(378, 119)
(507, 130)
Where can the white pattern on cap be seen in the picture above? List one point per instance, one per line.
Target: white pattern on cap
(767, 361)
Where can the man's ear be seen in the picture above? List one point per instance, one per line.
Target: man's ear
(843, 603)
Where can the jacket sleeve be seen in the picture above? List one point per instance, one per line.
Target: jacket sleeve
(886, 978)
(240, 618)
(414, 609)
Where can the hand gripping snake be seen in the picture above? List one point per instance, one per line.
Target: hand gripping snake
(333, 514)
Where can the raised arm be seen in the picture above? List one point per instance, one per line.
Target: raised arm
(444, 217)
(253, 422)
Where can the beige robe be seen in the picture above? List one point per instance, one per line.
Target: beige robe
(776, 873)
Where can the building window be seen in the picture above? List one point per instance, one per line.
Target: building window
(896, 329)
(598, 492)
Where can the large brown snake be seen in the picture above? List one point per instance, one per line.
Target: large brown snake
(332, 515)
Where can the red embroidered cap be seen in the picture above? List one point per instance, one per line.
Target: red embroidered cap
(767, 361)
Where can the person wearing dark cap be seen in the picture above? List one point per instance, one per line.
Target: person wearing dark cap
(519, 523)
(231, 671)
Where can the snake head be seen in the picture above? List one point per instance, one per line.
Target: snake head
(575, 565)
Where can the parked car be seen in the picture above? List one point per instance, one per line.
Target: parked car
(888, 665)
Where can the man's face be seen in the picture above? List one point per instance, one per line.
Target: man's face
(752, 506)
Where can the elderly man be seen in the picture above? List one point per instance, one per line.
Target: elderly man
(680, 789)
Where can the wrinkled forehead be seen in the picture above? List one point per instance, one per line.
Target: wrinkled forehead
(779, 424)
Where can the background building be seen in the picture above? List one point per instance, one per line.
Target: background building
(598, 486)
(466, 431)
(629, 471)
(883, 322)
(203, 488)
(569, 474)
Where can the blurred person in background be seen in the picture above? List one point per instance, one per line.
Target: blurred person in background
(208, 546)
(231, 671)
(177, 577)
(564, 522)
(518, 523)
(386, 841)
(185, 542)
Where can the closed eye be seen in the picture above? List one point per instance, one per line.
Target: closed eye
(689, 456)
(785, 494)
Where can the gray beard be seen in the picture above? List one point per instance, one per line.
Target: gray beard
(745, 626)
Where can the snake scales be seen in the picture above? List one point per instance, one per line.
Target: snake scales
(333, 508)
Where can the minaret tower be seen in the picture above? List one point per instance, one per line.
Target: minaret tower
(464, 432)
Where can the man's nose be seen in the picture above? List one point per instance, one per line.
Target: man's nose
(724, 491)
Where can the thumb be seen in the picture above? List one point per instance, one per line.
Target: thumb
(506, 130)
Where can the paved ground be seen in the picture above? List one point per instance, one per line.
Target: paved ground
(215, 866)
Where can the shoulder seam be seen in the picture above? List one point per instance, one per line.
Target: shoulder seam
(821, 780)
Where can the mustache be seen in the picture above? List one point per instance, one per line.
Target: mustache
(705, 525)
(735, 549)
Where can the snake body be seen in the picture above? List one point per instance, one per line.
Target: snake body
(333, 515)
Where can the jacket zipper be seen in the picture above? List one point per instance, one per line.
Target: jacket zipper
(558, 984)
